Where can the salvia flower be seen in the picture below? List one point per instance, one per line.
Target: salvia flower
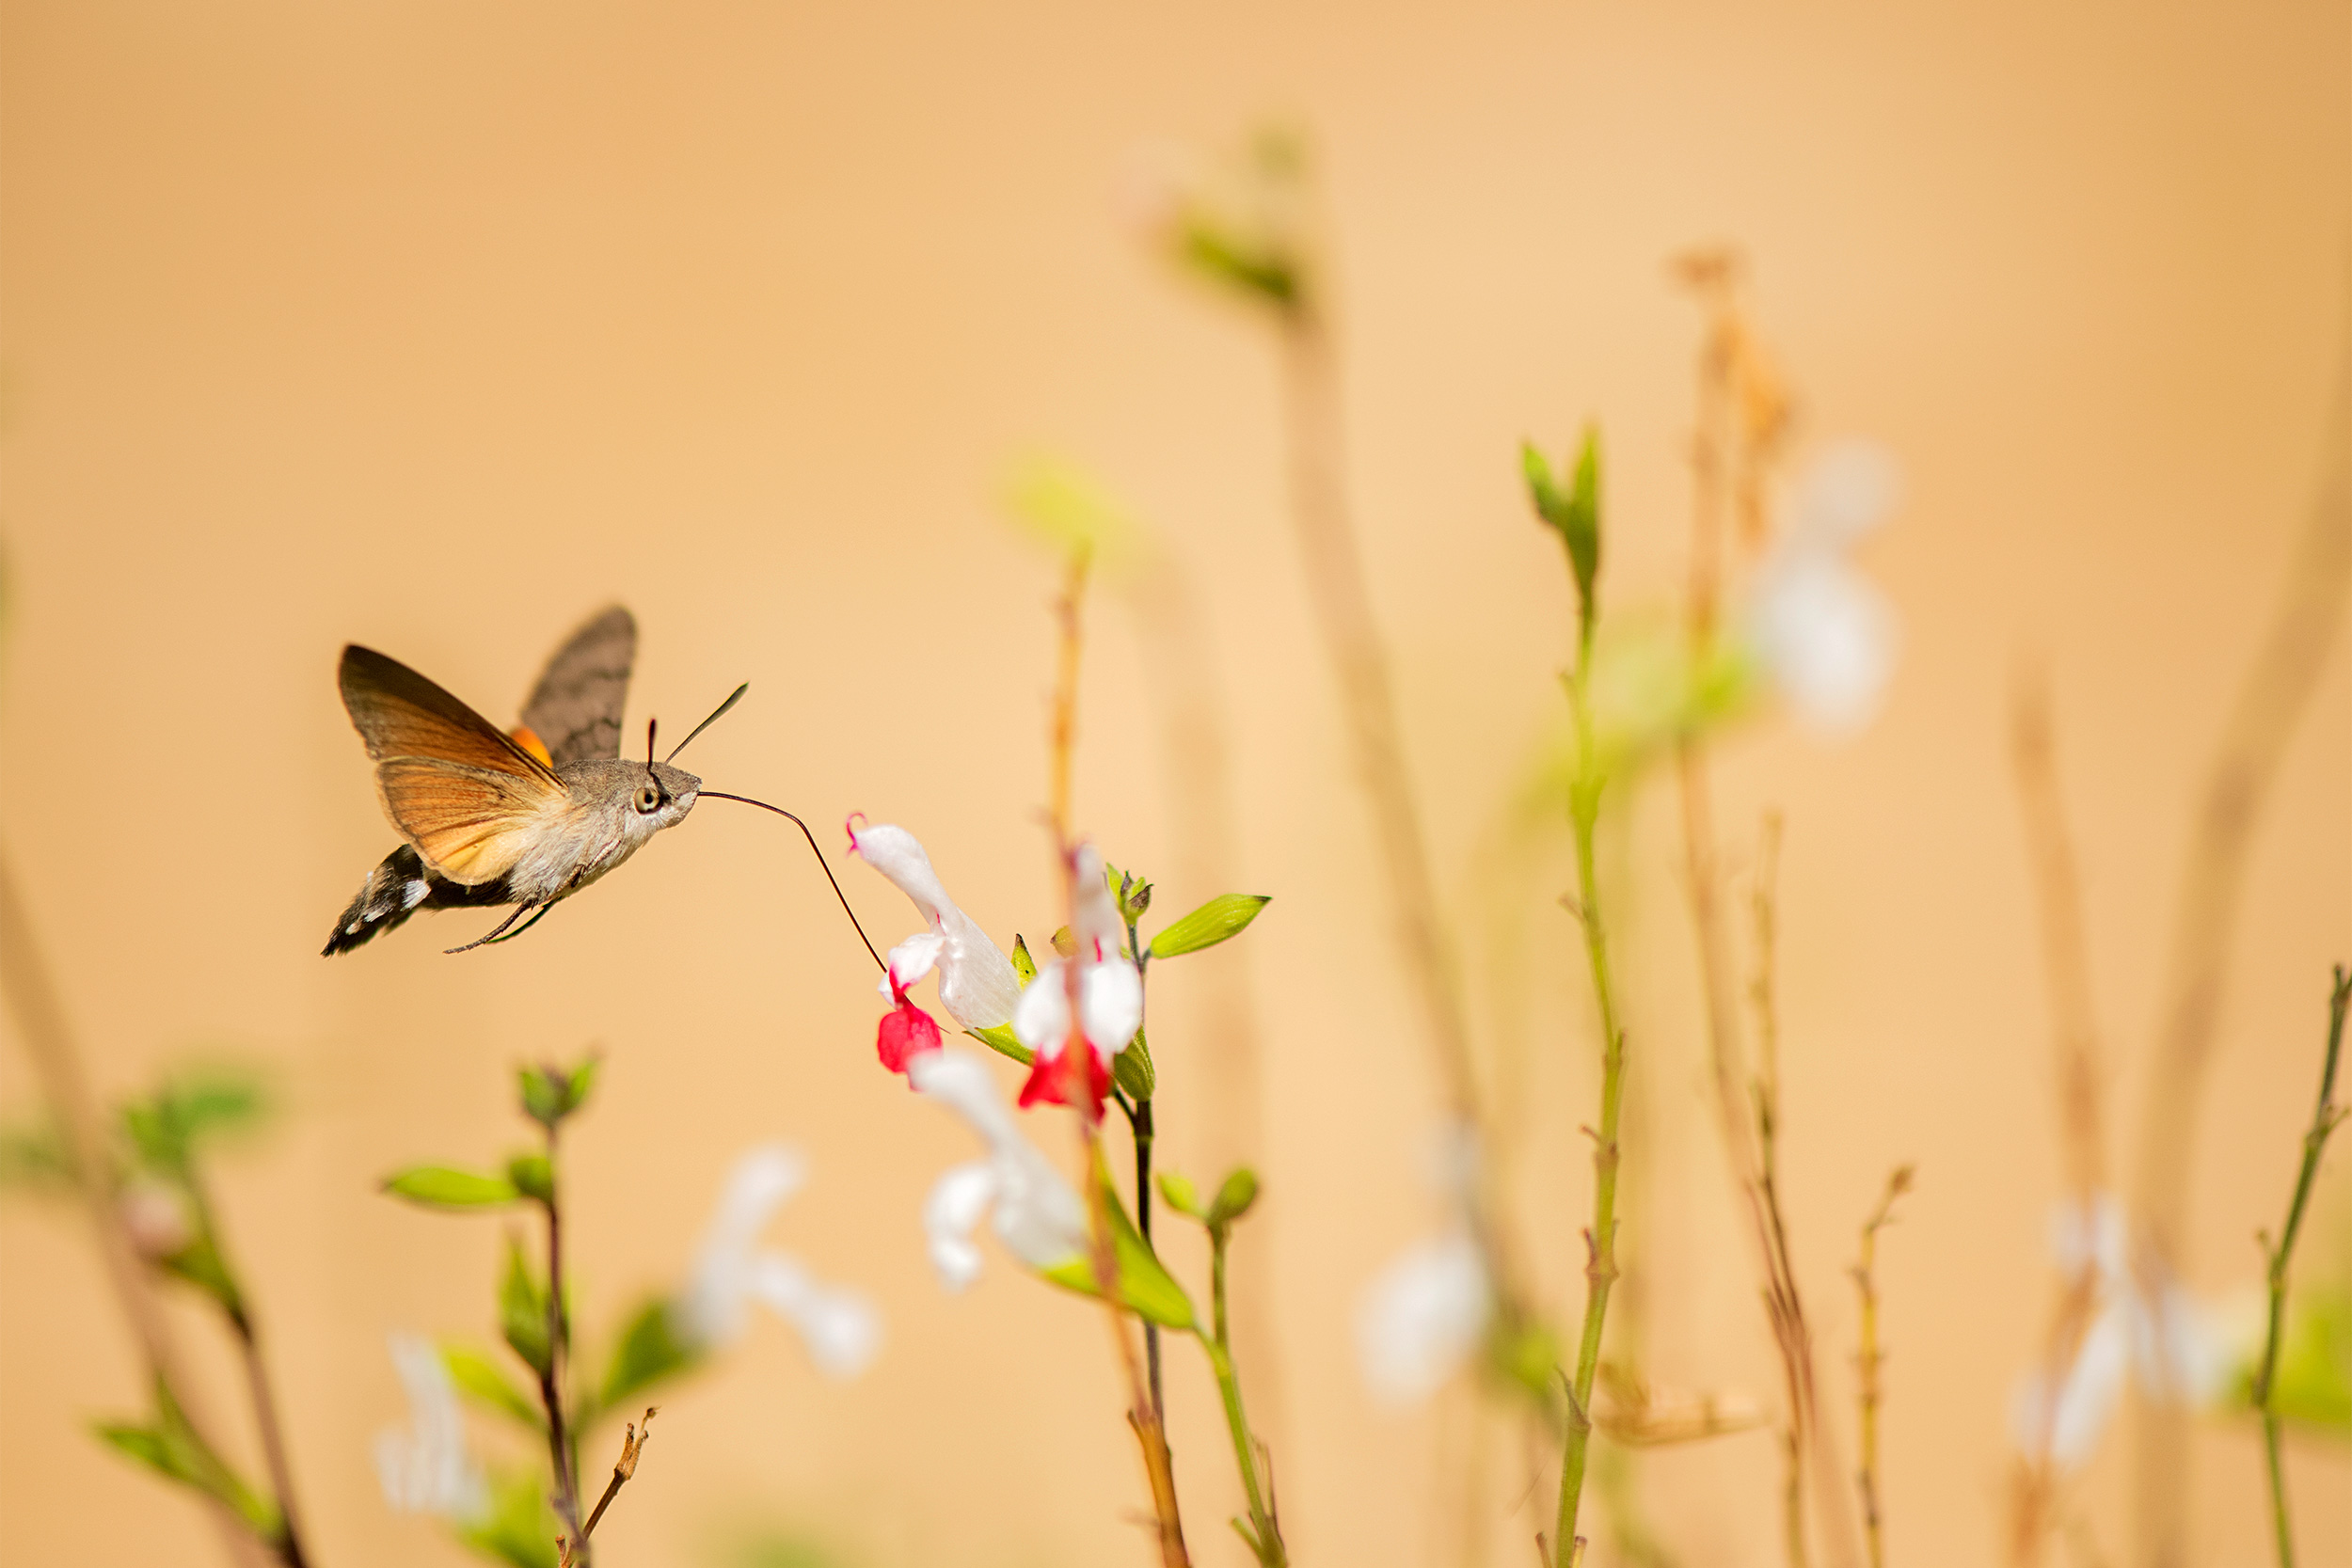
(977, 987)
(840, 1327)
(1423, 1316)
(425, 1468)
(1109, 993)
(1827, 635)
(1037, 1214)
(2158, 1335)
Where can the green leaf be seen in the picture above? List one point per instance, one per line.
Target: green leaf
(482, 1380)
(551, 1093)
(1145, 1287)
(1574, 514)
(1000, 1038)
(169, 1447)
(523, 1312)
(446, 1187)
(648, 1351)
(190, 1106)
(518, 1527)
(533, 1176)
(1234, 1197)
(1179, 1194)
(1222, 917)
(1132, 1069)
(1022, 965)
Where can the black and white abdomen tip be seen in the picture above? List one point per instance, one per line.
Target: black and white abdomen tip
(390, 895)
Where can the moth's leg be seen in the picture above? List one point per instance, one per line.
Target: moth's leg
(520, 910)
(526, 926)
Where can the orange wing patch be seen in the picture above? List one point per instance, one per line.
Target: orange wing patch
(471, 799)
(528, 738)
(469, 825)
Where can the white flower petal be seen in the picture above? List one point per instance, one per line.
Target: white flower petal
(1112, 996)
(912, 960)
(426, 1468)
(1828, 637)
(898, 854)
(977, 982)
(958, 1200)
(1039, 1216)
(1421, 1317)
(2086, 1396)
(1041, 1019)
(1095, 917)
(840, 1327)
(711, 1310)
(977, 985)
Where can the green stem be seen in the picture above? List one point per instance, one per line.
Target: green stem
(1601, 1240)
(1264, 1533)
(2323, 1119)
(551, 1380)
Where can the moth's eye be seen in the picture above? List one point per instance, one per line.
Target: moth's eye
(648, 798)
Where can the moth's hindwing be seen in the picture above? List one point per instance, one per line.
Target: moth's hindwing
(575, 708)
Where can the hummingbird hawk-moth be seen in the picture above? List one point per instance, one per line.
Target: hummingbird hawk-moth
(489, 817)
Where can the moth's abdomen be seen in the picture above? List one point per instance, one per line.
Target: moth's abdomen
(396, 890)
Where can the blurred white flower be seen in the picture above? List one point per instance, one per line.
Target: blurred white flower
(1421, 1317)
(977, 987)
(2179, 1352)
(425, 1468)
(1037, 1214)
(1824, 632)
(840, 1326)
(1110, 991)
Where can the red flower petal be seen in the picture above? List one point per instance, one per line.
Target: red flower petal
(1049, 1080)
(906, 1032)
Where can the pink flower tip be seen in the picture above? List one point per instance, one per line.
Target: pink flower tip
(906, 1032)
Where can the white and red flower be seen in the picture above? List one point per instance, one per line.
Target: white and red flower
(1100, 976)
(1037, 1214)
(977, 987)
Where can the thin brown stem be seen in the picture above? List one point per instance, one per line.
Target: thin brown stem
(1077, 1062)
(1741, 418)
(633, 1443)
(1351, 637)
(559, 1452)
(48, 1040)
(1870, 1362)
(273, 1436)
(2270, 704)
(2034, 1484)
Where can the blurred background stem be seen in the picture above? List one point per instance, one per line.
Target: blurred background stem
(2276, 692)
(47, 1041)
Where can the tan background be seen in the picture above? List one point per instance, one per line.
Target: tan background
(434, 325)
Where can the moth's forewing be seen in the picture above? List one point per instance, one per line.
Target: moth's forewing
(466, 797)
(575, 708)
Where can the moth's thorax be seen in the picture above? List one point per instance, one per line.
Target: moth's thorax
(602, 823)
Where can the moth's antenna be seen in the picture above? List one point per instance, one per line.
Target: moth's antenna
(650, 723)
(716, 714)
(717, 795)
